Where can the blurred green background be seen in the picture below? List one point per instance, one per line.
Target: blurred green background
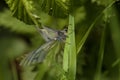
(97, 33)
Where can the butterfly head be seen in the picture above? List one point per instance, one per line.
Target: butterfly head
(61, 35)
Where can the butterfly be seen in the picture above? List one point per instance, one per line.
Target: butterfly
(51, 36)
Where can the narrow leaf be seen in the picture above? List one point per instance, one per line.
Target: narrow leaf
(69, 60)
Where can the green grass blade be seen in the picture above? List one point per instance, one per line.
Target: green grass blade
(69, 59)
(115, 33)
(100, 56)
(82, 41)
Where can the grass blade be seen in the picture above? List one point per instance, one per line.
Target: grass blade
(69, 59)
(82, 41)
(100, 56)
(115, 33)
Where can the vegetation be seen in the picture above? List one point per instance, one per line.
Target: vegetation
(92, 46)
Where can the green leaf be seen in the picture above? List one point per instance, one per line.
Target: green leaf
(15, 25)
(30, 11)
(22, 9)
(56, 8)
(69, 58)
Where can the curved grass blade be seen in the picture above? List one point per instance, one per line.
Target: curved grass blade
(83, 40)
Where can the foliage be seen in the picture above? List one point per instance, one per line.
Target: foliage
(91, 49)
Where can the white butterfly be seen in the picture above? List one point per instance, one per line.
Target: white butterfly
(51, 37)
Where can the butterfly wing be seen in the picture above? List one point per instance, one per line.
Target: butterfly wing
(47, 33)
(50, 33)
(38, 55)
